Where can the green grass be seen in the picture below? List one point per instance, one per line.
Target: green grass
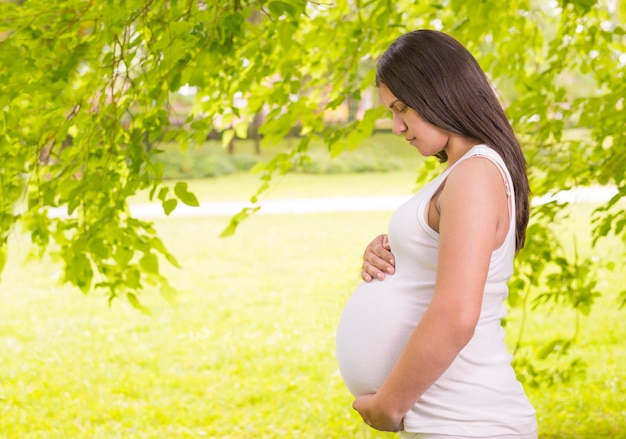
(247, 350)
(241, 186)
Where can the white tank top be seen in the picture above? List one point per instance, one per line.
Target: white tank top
(478, 395)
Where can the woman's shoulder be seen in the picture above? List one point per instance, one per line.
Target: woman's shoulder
(479, 178)
(475, 170)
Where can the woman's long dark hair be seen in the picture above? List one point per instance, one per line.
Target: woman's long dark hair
(439, 78)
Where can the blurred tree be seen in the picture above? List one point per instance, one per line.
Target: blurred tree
(85, 86)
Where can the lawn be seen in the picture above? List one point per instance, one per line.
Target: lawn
(247, 349)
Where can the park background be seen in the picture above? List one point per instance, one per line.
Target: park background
(178, 332)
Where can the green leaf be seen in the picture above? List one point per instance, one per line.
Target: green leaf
(3, 258)
(133, 279)
(175, 79)
(336, 149)
(134, 301)
(168, 292)
(235, 220)
(227, 137)
(169, 205)
(582, 5)
(150, 263)
(279, 8)
(123, 255)
(79, 272)
(158, 245)
(184, 195)
(241, 130)
(550, 347)
(163, 193)
(99, 248)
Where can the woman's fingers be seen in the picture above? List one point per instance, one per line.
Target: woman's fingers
(377, 259)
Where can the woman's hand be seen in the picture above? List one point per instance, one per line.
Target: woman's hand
(377, 259)
(374, 416)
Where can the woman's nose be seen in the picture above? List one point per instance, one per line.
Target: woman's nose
(398, 126)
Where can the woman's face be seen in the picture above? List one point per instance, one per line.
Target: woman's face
(427, 138)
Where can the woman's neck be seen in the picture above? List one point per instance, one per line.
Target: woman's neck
(458, 146)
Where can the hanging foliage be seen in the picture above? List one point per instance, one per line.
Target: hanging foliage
(86, 92)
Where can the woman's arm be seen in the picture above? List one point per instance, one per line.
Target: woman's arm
(469, 206)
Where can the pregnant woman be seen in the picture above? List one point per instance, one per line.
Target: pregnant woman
(422, 348)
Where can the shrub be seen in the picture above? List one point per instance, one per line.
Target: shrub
(211, 160)
(358, 161)
(199, 162)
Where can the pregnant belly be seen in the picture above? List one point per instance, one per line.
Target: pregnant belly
(374, 327)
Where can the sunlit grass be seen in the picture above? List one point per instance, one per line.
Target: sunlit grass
(247, 351)
(242, 186)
